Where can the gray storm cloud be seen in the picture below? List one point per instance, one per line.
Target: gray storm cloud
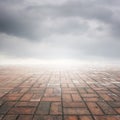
(74, 29)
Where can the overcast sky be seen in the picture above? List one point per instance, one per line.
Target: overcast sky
(60, 29)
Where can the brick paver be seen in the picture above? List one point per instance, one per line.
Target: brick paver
(41, 93)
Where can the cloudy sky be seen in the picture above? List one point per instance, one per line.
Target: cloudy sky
(60, 29)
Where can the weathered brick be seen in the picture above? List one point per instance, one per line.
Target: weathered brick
(10, 117)
(12, 97)
(43, 108)
(94, 108)
(106, 108)
(89, 90)
(27, 104)
(57, 91)
(76, 97)
(82, 90)
(6, 107)
(92, 99)
(114, 103)
(37, 117)
(52, 99)
(48, 92)
(107, 117)
(1, 116)
(70, 118)
(25, 117)
(67, 97)
(22, 110)
(56, 108)
(73, 104)
(117, 110)
(76, 111)
(1, 102)
(36, 97)
(85, 117)
(26, 97)
(89, 95)
(106, 97)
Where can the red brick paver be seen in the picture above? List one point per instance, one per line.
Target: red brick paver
(41, 93)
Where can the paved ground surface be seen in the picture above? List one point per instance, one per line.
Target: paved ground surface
(31, 93)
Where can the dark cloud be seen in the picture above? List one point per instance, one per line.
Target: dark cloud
(71, 28)
(28, 21)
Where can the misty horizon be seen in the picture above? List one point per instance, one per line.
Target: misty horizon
(79, 30)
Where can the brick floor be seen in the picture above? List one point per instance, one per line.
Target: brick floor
(41, 93)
